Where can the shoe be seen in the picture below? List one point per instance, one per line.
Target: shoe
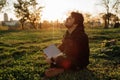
(53, 72)
(44, 78)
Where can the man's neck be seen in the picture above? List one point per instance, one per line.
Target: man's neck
(70, 30)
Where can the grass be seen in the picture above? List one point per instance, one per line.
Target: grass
(21, 55)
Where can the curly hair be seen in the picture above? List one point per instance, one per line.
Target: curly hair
(79, 19)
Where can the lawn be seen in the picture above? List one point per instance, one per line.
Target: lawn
(21, 55)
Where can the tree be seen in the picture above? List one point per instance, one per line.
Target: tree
(2, 4)
(34, 17)
(111, 6)
(87, 17)
(117, 7)
(113, 18)
(27, 11)
(106, 18)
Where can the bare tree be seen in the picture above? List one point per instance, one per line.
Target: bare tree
(116, 6)
(2, 4)
(34, 17)
(26, 10)
(111, 6)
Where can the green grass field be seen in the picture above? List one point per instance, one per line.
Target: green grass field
(21, 55)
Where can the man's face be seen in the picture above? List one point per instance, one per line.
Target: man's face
(69, 22)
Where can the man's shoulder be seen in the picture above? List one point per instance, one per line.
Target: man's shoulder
(79, 33)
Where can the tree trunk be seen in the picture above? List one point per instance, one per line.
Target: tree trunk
(106, 24)
(22, 26)
(108, 21)
(33, 25)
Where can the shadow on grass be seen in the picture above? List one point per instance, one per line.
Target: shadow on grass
(18, 54)
(112, 54)
(8, 31)
(5, 45)
(84, 74)
(101, 37)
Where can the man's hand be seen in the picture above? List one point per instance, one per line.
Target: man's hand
(49, 61)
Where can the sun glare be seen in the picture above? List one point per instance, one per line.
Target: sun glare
(58, 9)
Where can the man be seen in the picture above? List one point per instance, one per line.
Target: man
(75, 48)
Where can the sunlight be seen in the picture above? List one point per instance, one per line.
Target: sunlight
(58, 9)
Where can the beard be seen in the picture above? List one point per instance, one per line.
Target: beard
(68, 25)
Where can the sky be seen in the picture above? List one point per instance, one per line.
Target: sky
(58, 9)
